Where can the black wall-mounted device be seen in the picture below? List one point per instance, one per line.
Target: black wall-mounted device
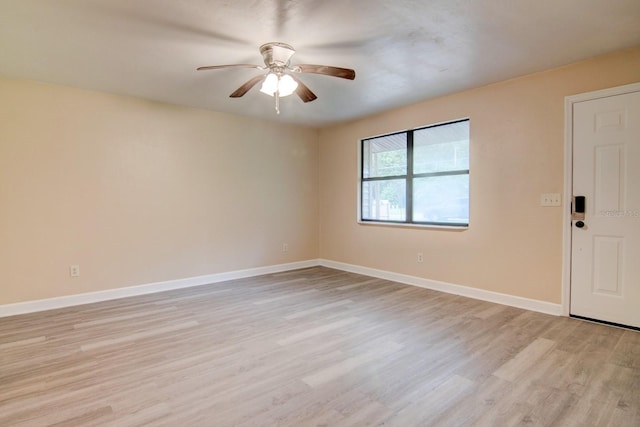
(579, 203)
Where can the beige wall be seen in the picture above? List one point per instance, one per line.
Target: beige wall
(137, 192)
(513, 245)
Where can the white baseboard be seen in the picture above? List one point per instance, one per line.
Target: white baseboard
(465, 291)
(111, 294)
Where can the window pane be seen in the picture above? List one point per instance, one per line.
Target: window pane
(384, 156)
(441, 148)
(384, 200)
(442, 199)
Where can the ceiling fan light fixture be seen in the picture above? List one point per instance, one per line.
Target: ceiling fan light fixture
(285, 85)
(270, 85)
(279, 82)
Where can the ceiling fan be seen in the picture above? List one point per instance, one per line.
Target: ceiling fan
(280, 79)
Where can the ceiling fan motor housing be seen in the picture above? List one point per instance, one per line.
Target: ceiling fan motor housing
(276, 54)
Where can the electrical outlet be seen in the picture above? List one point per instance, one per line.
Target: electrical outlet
(285, 247)
(74, 270)
(420, 257)
(550, 199)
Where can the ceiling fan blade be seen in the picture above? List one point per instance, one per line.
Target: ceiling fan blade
(217, 67)
(303, 91)
(245, 87)
(344, 73)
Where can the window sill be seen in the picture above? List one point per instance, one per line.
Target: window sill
(420, 226)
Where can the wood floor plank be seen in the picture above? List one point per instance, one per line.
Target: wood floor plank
(310, 333)
(285, 296)
(137, 336)
(22, 342)
(523, 361)
(313, 347)
(430, 406)
(318, 309)
(344, 367)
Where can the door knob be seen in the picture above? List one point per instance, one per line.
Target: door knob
(579, 224)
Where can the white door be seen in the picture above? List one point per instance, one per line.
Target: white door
(605, 247)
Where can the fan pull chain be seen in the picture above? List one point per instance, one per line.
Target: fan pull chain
(277, 95)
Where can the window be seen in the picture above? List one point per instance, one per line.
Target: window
(420, 176)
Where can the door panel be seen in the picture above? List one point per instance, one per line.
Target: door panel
(609, 171)
(607, 265)
(605, 253)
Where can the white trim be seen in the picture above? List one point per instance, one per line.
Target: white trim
(111, 294)
(465, 291)
(604, 93)
(414, 225)
(359, 181)
(567, 206)
(569, 101)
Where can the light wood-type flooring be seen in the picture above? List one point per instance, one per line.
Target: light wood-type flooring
(314, 347)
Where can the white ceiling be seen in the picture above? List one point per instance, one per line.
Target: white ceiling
(403, 51)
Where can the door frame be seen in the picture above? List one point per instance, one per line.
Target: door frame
(569, 102)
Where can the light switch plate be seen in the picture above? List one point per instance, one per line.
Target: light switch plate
(550, 199)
